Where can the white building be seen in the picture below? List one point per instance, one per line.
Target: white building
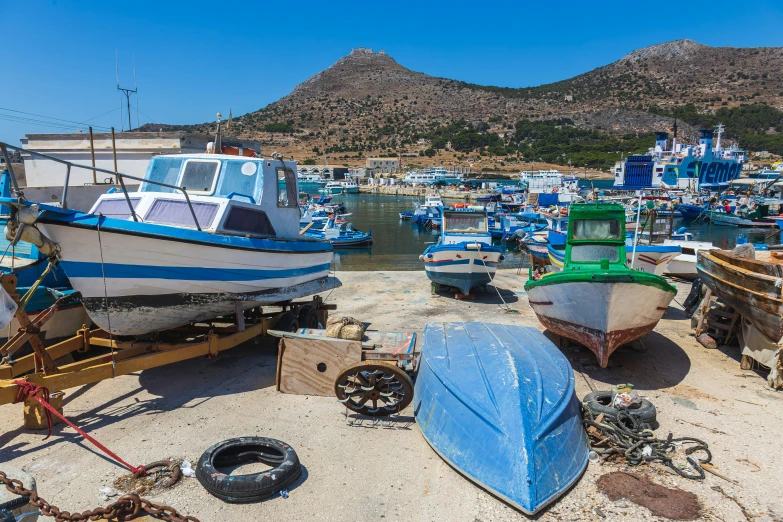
(134, 150)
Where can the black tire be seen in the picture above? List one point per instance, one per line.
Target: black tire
(308, 317)
(693, 299)
(598, 402)
(288, 323)
(238, 489)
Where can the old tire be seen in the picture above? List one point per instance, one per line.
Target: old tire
(288, 322)
(308, 317)
(598, 402)
(255, 486)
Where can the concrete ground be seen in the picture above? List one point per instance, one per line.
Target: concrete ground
(371, 473)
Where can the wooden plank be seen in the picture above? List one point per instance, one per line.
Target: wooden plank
(705, 305)
(310, 367)
(760, 267)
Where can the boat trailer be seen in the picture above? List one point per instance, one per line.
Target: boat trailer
(128, 355)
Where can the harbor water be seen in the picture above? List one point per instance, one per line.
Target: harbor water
(397, 244)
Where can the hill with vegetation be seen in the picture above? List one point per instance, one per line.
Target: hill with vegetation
(367, 104)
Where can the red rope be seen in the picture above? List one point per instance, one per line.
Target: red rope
(32, 390)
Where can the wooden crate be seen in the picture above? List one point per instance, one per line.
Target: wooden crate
(310, 366)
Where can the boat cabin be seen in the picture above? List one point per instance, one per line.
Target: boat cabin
(465, 227)
(230, 195)
(596, 238)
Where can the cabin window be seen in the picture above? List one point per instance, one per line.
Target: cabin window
(596, 229)
(176, 212)
(594, 253)
(241, 178)
(162, 170)
(465, 222)
(116, 208)
(248, 221)
(286, 188)
(199, 176)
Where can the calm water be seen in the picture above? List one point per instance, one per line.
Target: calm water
(398, 244)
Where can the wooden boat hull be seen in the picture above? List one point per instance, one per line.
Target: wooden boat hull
(600, 315)
(751, 287)
(458, 267)
(497, 403)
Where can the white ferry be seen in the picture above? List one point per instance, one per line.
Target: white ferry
(682, 166)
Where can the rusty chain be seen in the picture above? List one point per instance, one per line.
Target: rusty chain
(127, 507)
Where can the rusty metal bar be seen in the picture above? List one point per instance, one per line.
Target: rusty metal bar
(190, 206)
(64, 203)
(8, 165)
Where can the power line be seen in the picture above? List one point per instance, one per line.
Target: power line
(53, 118)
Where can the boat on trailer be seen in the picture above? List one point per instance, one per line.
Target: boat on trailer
(497, 403)
(464, 257)
(596, 299)
(166, 256)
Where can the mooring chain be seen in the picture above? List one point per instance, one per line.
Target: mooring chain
(631, 438)
(125, 508)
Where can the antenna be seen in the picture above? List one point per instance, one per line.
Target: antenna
(126, 91)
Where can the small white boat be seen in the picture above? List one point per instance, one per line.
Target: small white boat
(333, 187)
(684, 265)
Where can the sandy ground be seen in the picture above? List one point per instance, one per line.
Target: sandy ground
(371, 473)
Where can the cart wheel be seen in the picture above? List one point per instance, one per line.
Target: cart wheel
(374, 389)
(287, 323)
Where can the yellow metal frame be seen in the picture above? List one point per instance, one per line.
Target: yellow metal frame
(133, 356)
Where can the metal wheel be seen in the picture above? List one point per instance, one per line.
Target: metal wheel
(374, 389)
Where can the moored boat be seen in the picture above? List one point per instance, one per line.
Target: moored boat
(497, 403)
(743, 218)
(464, 256)
(596, 299)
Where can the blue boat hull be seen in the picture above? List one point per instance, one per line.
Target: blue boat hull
(497, 402)
(690, 211)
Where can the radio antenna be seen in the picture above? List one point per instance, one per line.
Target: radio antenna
(126, 91)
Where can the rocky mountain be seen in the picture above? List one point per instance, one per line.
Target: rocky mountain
(367, 102)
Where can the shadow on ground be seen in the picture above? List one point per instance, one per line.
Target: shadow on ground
(242, 369)
(661, 364)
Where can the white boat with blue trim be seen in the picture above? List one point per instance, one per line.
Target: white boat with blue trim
(464, 257)
(206, 235)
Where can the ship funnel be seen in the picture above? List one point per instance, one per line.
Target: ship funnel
(661, 141)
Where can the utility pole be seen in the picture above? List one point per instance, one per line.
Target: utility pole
(126, 91)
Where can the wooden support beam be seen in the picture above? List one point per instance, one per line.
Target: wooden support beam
(105, 369)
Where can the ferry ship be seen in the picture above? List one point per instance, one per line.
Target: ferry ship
(433, 176)
(693, 167)
(562, 188)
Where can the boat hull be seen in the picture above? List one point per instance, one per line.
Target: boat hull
(751, 287)
(497, 402)
(653, 259)
(133, 284)
(600, 315)
(460, 268)
(726, 219)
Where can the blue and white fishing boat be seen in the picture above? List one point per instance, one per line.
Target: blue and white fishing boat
(497, 402)
(166, 256)
(464, 257)
(341, 234)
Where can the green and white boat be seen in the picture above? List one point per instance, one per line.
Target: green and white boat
(596, 299)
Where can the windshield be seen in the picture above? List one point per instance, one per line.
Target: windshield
(463, 222)
(163, 170)
(594, 253)
(596, 229)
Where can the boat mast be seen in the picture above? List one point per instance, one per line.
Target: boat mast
(636, 233)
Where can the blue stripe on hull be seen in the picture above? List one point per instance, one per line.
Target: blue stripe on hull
(478, 262)
(462, 281)
(77, 269)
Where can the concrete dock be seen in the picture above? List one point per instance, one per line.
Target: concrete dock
(373, 473)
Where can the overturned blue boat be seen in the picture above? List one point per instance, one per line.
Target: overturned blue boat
(497, 402)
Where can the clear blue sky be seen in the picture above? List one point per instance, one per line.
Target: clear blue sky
(197, 58)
